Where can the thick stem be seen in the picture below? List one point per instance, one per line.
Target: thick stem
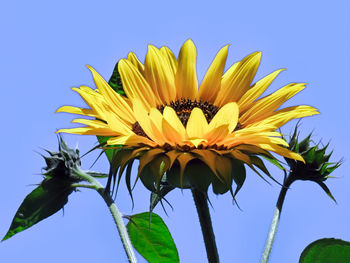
(117, 216)
(200, 200)
(275, 221)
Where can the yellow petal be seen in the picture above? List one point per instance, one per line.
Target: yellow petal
(117, 124)
(159, 75)
(197, 124)
(136, 62)
(256, 90)
(156, 117)
(130, 140)
(172, 118)
(281, 117)
(172, 136)
(89, 131)
(236, 82)
(146, 123)
(135, 86)
(263, 107)
(196, 141)
(170, 57)
(76, 110)
(115, 101)
(95, 101)
(255, 139)
(216, 135)
(91, 123)
(186, 74)
(282, 151)
(212, 80)
(228, 114)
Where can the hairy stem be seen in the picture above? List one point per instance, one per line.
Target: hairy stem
(200, 200)
(117, 216)
(275, 221)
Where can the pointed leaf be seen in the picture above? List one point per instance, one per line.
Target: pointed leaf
(45, 200)
(152, 239)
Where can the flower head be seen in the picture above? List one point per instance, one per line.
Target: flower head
(198, 135)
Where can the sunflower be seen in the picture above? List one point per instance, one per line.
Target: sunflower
(197, 136)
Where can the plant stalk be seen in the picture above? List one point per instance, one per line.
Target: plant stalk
(117, 216)
(275, 220)
(200, 199)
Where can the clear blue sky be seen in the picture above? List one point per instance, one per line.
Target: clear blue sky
(43, 49)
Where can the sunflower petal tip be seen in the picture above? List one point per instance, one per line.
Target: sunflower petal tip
(189, 42)
(151, 47)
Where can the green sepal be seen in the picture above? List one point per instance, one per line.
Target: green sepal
(159, 195)
(159, 166)
(199, 174)
(115, 164)
(174, 177)
(305, 144)
(326, 250)
(151, 238)
(238, 175)
(147, 178)
(45, 200)
(128, 179)
(326, 189)
(309, 155)
(274, 161)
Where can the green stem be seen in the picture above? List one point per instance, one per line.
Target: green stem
(117, 216)
(275, 221)
(200, 200)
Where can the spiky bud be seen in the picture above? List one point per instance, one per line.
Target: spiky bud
(63, 164)
(316, 168)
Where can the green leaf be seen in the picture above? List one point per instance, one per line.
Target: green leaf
(115, 81)
(326, 250)
(152, 239)
(45, 200)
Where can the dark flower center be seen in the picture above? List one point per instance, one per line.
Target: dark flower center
(183, 109)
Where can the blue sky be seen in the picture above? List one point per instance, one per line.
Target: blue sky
(44, 48)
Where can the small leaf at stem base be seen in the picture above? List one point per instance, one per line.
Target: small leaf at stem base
(152, 239)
